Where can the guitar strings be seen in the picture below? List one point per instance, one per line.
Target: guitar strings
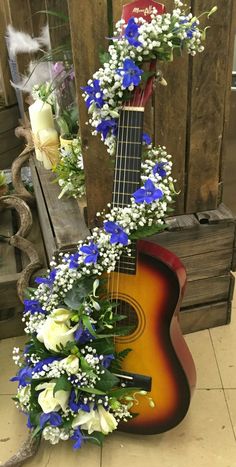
(121, 167)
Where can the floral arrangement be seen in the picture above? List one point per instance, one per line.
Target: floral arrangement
(70, 170)
(67, 377)
(68, 383)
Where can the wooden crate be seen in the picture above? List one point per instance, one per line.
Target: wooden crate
(62, 222)
(10, 145)
(13, 262)
(204, 242)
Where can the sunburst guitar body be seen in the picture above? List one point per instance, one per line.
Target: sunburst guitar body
(151, 299)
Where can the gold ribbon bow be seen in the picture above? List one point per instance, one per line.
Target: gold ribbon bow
(50, 149)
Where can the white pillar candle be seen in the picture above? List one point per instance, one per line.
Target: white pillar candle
(41, 117)
(49, 147)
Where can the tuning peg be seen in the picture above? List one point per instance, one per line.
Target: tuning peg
(159, 79)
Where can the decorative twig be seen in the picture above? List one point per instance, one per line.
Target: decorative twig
(27, 450)
(23, 157)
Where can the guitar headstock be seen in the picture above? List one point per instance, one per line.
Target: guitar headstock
(143, 9)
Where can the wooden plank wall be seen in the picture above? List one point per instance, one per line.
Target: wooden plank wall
(188, 116)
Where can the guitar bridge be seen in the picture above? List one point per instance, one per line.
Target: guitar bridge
(135, 380)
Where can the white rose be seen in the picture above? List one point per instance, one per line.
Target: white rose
(70, 364)
(107, 420)
(95, 420)
(53, 333)
(61, 315)
(50, 402)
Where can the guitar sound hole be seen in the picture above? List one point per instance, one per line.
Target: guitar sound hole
(124, 308)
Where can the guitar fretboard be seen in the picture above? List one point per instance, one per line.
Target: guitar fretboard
(127, 170)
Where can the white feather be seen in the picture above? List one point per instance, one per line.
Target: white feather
(20, 42)
(44, 38)
(38, 72)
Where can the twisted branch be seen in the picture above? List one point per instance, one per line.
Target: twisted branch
(27, 450)
(17, 164)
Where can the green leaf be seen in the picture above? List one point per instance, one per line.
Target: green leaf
(96, 437)
(93, 391)
(29, 292)
(107, 381)
(87, 323)
(37, 432)
(62, 384)
(146, 75)
(104, 346)
(80, 290)
(54, 13)
(147, 231)
(104, 57)
(121, 392)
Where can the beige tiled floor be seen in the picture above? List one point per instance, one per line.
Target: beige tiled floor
(206, 437)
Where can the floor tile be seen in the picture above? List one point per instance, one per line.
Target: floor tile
(224, 342)
(200, 345)
(63, 454)
(231, 401)
(13, 433)
(13, 430)
(204, 439)
(7, 365)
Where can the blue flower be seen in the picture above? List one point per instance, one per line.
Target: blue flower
(29, 424)
(33, 306)
(189, 31)
(91, 251)
(52, 417)
(107, 360)
(73, 260)
(148, 194)
(23, 376)
(77, 405)
(39, 366)
(78, 437)
(47, 280)
(147, 139)
(95, 94)
(82, 336)
(132, 33)
(106, 125)
(158, 169)
(131, 73)
(117, 233)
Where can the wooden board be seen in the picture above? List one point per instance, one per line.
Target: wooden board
(61, 221)
(6, 158)
(206, 116)
(206, 316)
(5, 76)
(8, 141)
(209, 289)
(9, 118)
(86, 47)
(198, 241)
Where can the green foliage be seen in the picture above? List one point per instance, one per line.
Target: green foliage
(107, 381)
(147, 231)
(62, 384)
(96, 438)
(75, 297)
(3, 180)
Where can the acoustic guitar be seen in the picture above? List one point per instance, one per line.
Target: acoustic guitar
(148, 288)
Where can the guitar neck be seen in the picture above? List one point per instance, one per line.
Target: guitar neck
(128, 155)
(127, 170)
